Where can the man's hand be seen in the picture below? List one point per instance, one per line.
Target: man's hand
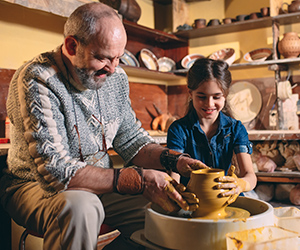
(161, 189)
(186, 165)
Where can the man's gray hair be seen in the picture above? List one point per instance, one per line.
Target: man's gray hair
(82, 23)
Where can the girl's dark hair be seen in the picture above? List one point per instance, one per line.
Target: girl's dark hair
(205, 69)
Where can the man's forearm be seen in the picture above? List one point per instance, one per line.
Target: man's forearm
(149, 156)
(93, 179)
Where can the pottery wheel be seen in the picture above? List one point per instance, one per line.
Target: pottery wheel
(183, 232)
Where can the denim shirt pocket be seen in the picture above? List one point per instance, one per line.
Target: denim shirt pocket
(226, 140)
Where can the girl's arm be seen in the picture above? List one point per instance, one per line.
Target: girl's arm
(246, 170)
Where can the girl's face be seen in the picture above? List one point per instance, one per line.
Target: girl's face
(208, 100)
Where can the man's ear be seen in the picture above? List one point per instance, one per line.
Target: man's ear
(71, 45)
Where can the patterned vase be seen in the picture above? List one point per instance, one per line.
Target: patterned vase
(289, 46)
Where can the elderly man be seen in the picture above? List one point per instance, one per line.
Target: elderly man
(67, 107)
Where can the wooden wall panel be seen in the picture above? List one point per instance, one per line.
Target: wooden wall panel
(142, 98)
(177, 100)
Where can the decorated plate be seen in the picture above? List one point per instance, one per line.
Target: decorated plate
(245, 101)
(189, 60)
(148, 59)
(129, 59)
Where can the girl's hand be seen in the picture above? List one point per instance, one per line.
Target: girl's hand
(232, 185)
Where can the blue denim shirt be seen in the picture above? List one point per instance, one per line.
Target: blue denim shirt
(185, 135)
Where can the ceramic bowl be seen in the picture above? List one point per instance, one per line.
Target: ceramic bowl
(189, 60)
(166, 64)
(227, 55)
(258, 55)
(129, 59)
(148, 59)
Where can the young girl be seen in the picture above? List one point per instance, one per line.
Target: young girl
(206, 133)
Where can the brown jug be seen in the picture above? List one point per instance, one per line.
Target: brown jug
(293, 7)
(129, 9)
(289, 46)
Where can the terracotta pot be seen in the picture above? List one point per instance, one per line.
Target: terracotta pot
(293, 7)
(203, 183)
(289, 46)
(129, 9)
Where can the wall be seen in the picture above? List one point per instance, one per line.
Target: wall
(29, 32)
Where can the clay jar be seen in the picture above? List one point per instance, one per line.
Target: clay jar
(199, 23)
(289, 46)
(129, 9)
(202, 183)
(293, 7)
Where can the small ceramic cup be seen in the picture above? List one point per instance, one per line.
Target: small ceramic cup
(254, 15)
(228, 20)
(213, 22)
(202, 183)
(265, 11)
(241, 17)
(199, 23)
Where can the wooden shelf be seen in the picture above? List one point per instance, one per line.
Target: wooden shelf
(279, 177)
(147, 34)
(263, 135)
(251, 64)
(161, 78)
(240, 26)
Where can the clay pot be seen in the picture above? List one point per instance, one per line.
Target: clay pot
(293, 7)
(199, 23)
(129, 9)
(202, 183)
(289, 46)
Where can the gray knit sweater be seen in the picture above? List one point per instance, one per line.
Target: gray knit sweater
(44, 104)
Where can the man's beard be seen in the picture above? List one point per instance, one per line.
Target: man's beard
(90, 81)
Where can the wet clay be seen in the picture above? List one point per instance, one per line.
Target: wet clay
(203, 184)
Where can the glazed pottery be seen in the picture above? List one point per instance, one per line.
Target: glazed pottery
(199, 23)
(203, 184)
(293, 7)
(289, 46)
(228, 20)
(213, 22)
(241, 17)
(255, 15)
(129, 9)
(265, 11)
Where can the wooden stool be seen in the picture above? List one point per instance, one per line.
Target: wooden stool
(106, 235)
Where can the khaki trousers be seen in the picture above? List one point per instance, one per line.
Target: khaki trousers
(72, 219)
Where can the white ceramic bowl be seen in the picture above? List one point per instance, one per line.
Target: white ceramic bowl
(129, 59)
(148, 59)
(166, 64)
(227, 55)
(258, 55)
(189, 60)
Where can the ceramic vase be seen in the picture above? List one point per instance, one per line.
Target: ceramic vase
(293, 7)
(129, 9)
(202, 183)
(289, 46)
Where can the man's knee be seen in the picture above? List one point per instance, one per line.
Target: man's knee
(83, 205)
